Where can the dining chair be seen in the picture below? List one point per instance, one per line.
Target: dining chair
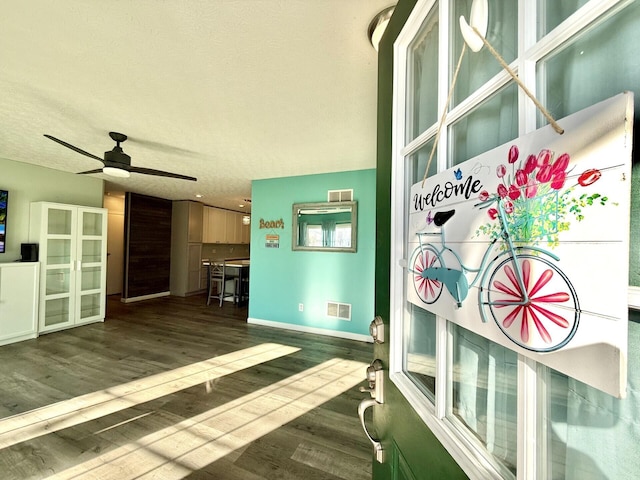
(216, 282)
(229, 274)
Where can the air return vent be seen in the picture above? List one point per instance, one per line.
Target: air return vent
(339, 310)
(340, 195)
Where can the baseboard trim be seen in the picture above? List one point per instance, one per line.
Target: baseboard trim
(145, 297)
(18, 338)
(319, 331)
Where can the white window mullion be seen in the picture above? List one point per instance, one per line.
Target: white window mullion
(527, 25)
(444, 363)
(480, 95)
(443, 82)
(528, 403)
(414, 145)
(527, 110)
(443, 346)
(527, 424)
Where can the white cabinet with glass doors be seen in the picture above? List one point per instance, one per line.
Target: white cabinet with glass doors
(73, 253)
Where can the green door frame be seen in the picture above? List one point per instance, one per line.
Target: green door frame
(411, 450)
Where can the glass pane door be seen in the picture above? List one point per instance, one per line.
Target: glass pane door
(56, 312)
(59, 221)
(90, 284)
(90, 306)
(92, 223)
(58, 261)
(59, 251)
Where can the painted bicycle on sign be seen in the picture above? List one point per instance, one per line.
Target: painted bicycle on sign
(520, 284)
(526, 245)
(517, 287)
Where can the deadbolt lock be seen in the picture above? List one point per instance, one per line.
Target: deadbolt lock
(376, 329)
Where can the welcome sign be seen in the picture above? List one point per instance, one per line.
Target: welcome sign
(527, 244)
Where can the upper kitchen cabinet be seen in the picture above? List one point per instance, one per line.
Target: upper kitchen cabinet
(223, 226)
(194, 217)
(186, 219)
(233, 220)
(214, 225)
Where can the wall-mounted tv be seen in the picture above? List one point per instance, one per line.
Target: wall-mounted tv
(4, 195)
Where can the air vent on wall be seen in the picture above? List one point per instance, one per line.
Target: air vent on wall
(340, 195)
(339, 310)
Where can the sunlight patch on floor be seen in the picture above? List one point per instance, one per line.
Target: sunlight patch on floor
(65, 414)
(177, 451)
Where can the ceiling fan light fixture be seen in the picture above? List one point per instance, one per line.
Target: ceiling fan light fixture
(116, 162)
(116, 172)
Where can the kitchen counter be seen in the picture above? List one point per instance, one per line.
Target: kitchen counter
(229, 262)
(237, 262)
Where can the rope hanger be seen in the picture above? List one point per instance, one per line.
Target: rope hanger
(506, 67)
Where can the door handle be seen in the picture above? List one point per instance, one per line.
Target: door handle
(377, 446)
(375, 377)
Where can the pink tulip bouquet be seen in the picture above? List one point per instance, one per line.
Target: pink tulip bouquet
(534, 196)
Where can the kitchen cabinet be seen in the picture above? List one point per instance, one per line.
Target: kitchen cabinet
(224, 226)
(194, 218)
(73, 254)
(215, 225)
(186, 247)
(234, 222)
(18, 301)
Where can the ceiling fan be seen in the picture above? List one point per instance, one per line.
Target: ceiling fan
(116, 162)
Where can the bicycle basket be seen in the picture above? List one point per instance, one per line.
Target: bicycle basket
(534, 218)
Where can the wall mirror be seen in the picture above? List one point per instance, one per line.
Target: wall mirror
(325, 227)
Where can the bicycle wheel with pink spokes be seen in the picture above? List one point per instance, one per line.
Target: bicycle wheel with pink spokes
(549, 319)
(428, 289)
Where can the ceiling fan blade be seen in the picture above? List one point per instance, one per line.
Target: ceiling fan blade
(97, 170)
(160, 173)
(72, 147)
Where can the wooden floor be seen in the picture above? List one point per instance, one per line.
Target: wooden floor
(170, 388)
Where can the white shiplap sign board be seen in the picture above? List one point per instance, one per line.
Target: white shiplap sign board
(566, 201)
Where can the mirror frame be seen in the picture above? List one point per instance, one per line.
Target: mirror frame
(325, 205)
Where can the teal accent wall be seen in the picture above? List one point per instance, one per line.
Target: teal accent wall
(28, 183)
(281, 278)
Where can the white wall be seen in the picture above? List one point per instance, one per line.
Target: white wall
(28, 183)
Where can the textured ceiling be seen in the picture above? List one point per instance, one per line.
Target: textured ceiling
(224, 90)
